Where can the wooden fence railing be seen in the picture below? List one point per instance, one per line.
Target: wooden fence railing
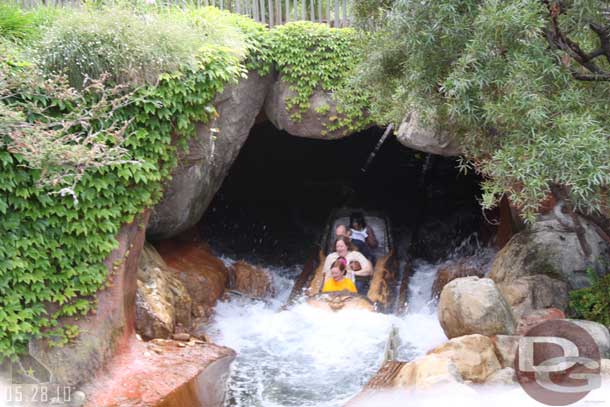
(335, 13)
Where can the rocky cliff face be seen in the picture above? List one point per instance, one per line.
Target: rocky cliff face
(211, 153)
(539, 266)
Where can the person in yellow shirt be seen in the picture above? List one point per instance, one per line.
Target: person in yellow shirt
(338, 281)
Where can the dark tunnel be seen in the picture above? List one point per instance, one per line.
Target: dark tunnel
(276, 199)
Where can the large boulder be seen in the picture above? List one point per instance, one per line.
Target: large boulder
(414, 134)
(506, 349)
(427, 371)
(313, 122)
(250, 280)
(473, 355)
(598, 332)
(455, 269)
(201, 170)
(505, 376)
(539, 266)
(472, 305)
(530, 293)
(204, 275)
(162, 301)
(108, 329)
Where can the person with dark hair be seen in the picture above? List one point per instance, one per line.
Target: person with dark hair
(362, 236)
(343, 248)
(338, 281)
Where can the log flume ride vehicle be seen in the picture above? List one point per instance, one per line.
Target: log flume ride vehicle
(380, 297)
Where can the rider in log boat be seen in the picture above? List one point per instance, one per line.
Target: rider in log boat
(338, 281)
(362, 236)
(344, 249)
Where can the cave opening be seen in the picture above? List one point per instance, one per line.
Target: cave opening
(273, 205)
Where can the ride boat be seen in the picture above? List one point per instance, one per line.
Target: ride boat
(380, 296)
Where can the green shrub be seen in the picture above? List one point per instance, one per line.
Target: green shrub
(592, 303)
(132, 48)
(16, 24)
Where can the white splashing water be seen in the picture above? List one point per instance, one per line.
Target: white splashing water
(305, 356)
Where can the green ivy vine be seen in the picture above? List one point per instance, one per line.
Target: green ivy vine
(53, 248)
(311, 57)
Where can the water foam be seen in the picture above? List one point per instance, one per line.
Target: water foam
(304, 356)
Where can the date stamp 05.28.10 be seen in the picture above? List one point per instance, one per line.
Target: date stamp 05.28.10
(26, 382)
(39, 394)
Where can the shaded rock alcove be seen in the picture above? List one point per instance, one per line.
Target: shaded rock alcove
(278, 194)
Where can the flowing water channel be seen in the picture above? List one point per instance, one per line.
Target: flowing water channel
(305, 356)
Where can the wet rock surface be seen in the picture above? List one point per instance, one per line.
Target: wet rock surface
(203, 274)
(163, 373)
(250, 280)
(162, 300)
(471, 305)
(465, 267)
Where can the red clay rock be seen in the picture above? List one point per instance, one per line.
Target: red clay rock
(106, 331)
(536, 317)
(251, 280)
(452, 270)
(150, 375)
(204, 275)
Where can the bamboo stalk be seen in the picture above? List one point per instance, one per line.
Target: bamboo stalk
(312, 15)
(328, 12)
(261, 4)
(320, 11)
(270, 2)
(336, 13)
(344, 23)
(287, 4)
(296, 11)
(303, 16)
